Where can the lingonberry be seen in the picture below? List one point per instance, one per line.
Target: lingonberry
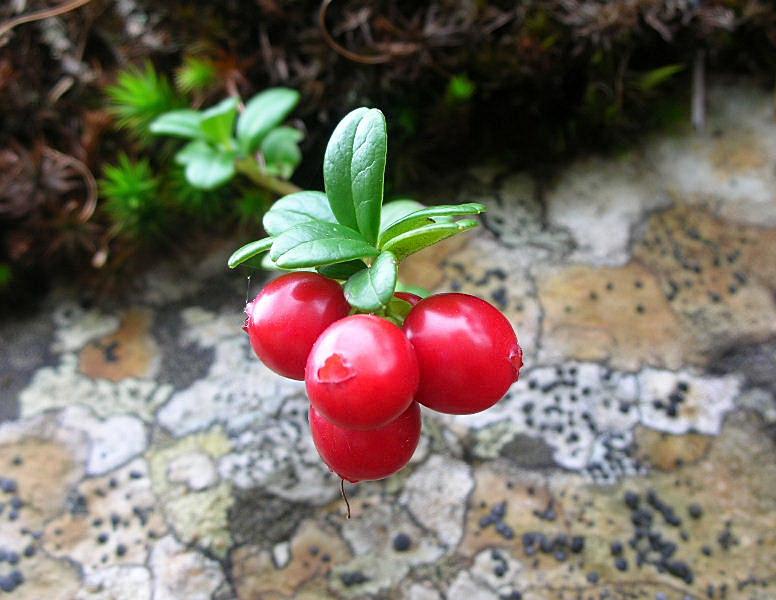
(361, 373)
(287, 317)
(366, 455)
(409, 297)
(467, 353)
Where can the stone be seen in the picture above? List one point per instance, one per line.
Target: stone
(434, 494)
(61, 385)
(315, 549)
(113, 441)
(128, 582)
(104, 513)
(614, 314)
(182, 573)
(371, 535)
(596, 195)
(667, 452)
(194, 501)
(129, 352)
(75, 326)
(196, 471)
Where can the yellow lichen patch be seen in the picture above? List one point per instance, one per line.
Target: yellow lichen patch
(717, 276)
(44, 471)
(313, 551)
(129, 352)
(185, 480)
(731, 155)
(423, 269)
(619, 314)
(668, 452)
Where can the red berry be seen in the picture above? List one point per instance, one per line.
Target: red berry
(362, 372)
(287, 317)
(409, 297)
(365, 455)
(467, 353)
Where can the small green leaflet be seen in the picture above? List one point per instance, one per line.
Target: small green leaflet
(371, 289)
(415, 240)
(427, 216)
(218, 121)
(297, 208)
(249, 251)
(317, 243)
(178, 123)
(262, 113)
(206, 167)
(354, 170)
(281, 151)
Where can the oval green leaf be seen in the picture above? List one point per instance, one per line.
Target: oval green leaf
(178, 123)
(281, 151)
(342, 270)
(372, 288)
(249, 251)
(297, 208)
(427, 216)
(206, 167)
(319, 243)
(218, 121)
(354, 170)
(415, 240)
(262, 113)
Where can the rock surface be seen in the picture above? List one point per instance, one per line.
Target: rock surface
(146, 454)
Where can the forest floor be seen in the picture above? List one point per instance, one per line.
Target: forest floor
(146, 453)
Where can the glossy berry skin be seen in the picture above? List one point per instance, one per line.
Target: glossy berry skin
(367, 455)
(467, 352)
(409, 297)
(361, 373)
(288, 315)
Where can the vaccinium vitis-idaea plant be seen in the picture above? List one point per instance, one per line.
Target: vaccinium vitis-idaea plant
(367, 351)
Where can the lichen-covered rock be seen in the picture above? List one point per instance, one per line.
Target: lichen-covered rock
(156, 458)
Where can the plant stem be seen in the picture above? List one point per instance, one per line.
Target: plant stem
(250, 168)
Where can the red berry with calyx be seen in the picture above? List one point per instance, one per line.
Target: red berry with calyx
(288, 315)
(409, 297)
(367, 455)
(362, 372)
(467, 352)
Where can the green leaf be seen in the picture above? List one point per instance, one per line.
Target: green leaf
(178, 123)
(218, 121)
(413, 289)
(652, 79)
(281, 151)
(372, 288)
(415, 240)
(426, 216)
(206, 167)
(342, 270)
(354, 170)
(297, 208)
(262, 113)
(396, 209)
(319, 243)
(249, 251)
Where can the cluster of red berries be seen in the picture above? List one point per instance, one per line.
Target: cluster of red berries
(365, 375)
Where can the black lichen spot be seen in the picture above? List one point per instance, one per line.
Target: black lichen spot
(402, 542)
(350, 579)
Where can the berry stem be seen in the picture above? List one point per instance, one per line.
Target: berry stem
(344, 495)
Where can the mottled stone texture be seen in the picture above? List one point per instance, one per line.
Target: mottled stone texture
(146, 454)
